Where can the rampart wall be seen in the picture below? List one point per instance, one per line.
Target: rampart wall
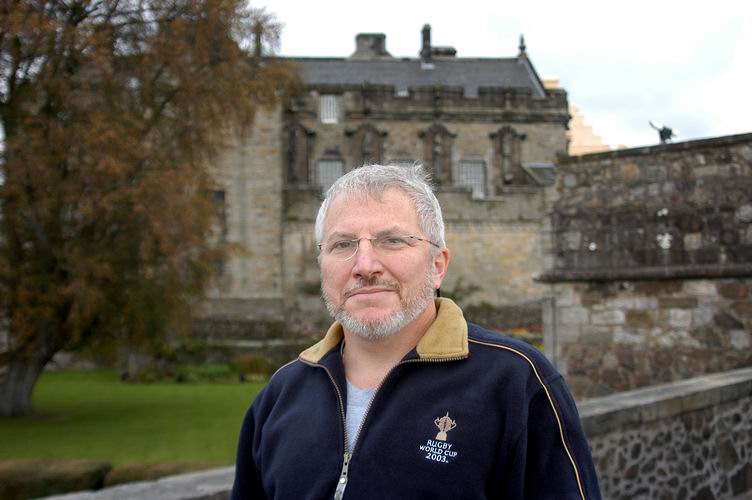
(649, 256)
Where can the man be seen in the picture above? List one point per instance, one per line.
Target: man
(403, 399)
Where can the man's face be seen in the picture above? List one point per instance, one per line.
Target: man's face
(376, 294)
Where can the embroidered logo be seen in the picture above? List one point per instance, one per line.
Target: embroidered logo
(438, 449)
(445, 424)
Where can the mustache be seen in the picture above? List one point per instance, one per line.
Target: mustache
(369, 282)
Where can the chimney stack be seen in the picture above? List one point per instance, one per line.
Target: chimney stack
(370, 45)
(425, 51)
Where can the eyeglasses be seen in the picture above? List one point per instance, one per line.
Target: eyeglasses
(386, 246)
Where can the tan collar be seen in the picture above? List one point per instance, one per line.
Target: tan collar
(445, 338)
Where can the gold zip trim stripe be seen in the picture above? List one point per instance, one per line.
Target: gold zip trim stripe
(550, 401)
(283, 366)
(339, 491)
(339, 396)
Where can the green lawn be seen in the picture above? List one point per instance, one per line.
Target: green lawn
(93, 415)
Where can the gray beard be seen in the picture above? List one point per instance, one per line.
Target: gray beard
(410, 309)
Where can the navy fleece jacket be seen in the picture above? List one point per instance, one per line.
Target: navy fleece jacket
(467, 414)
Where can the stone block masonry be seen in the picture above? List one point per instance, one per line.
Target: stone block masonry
(686, 440)
(616, 336)
(250, 182)
(676, 210)
(648, 257)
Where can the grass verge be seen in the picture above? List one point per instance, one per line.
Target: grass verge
(95, 416)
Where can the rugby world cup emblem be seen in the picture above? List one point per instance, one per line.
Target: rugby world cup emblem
(444, 424)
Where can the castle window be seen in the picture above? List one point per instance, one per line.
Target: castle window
(328, 172)
(472, 173)
(330, 108)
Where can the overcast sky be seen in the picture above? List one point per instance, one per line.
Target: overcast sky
(687, 64)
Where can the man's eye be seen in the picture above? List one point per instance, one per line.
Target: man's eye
(341, 245)
(393, 241)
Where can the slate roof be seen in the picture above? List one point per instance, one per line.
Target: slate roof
(469, 73)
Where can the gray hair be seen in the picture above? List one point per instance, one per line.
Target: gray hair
(373, 180)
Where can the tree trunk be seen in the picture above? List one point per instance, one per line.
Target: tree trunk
(17, 380)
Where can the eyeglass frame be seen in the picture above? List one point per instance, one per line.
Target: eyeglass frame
(372, 240)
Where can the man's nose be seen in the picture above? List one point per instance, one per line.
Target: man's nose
(366, 259)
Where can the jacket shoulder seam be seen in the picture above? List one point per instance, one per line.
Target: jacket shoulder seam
(550, 402)
(283, 367)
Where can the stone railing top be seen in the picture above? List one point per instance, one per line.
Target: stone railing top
(660, 148)
(640, 406)
(668, 272)
(213, 484)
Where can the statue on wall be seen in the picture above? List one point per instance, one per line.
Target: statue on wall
(437, 152)
(367, 144)
(508, 158)
(665, 134)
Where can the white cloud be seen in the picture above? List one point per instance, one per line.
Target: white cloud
(684, 63)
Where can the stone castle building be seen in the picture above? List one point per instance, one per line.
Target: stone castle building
(486, 128)
(633, 265)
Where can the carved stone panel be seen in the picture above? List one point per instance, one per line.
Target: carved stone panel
(297, 144)
(507, 159)
(366, 144)
(437, 152)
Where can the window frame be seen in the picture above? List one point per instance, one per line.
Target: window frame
(479, 189)
(331, 162)
(330, 109)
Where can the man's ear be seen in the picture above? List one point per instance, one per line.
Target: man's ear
(440, 266)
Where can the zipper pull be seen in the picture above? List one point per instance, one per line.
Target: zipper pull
(342, 481)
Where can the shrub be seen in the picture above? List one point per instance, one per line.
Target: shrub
(22, 479)
(206, 372)
(148, 472)
(251, 365)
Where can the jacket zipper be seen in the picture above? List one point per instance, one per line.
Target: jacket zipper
(339, 491)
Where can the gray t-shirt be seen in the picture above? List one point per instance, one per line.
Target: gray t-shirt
(357, 404)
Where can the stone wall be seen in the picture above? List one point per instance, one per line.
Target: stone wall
(618, 335)
(686, 440)
(250, 176)
(680, 209)
(649, 256)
